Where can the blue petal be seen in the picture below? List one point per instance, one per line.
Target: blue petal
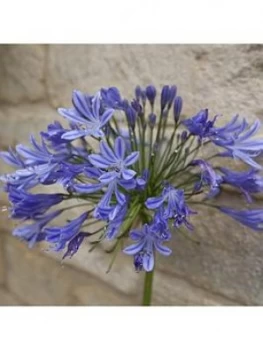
(96, 105)
(97, 133)
(134, 248)
(71, 114)
(128, 174)
(162, 249)
(106, 116)
(154, 202)
(11, 158)
(136, 235)
(148, 262)
(88, 188)
(81, 102)
(127, 184)
(108, 177)
(251, 131)
(120, 197)
(106, 152)
(119, 148)
(74, 134)
(131, 159)
(99, 161)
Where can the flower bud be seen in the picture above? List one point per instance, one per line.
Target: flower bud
(151, 94)
(136, 106)
(152, 120)
(131, 116)
(143, 96)
(178, 105)
(173, 91)
(138, 92)
(165, 96)
(184, 136)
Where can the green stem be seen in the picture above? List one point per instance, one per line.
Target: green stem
(147, 289)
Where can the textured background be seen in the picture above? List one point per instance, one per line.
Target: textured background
(226, 268)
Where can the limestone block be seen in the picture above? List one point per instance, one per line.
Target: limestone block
(22, 70)
(39, 280)
(168, 290)
(8, 299)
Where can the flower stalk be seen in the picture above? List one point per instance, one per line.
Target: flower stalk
(148, 288)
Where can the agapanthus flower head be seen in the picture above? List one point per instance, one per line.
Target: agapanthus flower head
(135, 169)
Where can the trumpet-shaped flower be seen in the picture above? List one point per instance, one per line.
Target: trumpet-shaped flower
(87, 113)
(148, 240)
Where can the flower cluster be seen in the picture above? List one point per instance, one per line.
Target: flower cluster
(134, 167)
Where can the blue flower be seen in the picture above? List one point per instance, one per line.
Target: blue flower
(106, 200)
(172, 203)
(208, 177)
(116, 219)
(114, 161)
(54, 134)
(28, 177)
(111, 97)
(247, 181)
(74, 244)
(33, 233)
(87, 113)
(12, 158)
(36, 164)
(235, 137)
(40, 154)
(148, 240)
(108, 175)
(28, 206)
(252, 218)
(199, 125)
(60, 236)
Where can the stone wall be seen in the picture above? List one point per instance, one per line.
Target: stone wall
(226, 268)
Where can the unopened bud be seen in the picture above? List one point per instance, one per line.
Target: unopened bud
(178, 105)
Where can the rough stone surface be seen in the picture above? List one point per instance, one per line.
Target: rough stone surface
(22, 70)
(38, 280)
(20, 122)
(228, 260)
(225, 78)
(168, 290)
(121, 276)
(8, 299)
(2, 262)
